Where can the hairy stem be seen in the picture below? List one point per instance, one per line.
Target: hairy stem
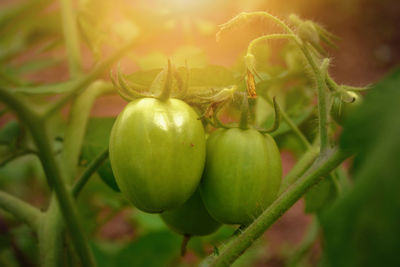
(268, 37)
(21, 210)
(289, 121)
(322, 105)
(238, 246)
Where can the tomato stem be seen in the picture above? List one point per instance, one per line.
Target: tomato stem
(166, 90)
(88, 172)
(184, 244)
(244, 115)
(20, 209)
(71, 38)
(55, 177)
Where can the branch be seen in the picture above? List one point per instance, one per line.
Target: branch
(71, 37)
(76, 128)
(54, 175)
(88, 78)
(291, 124)
(21, 210)
(15, 155)
(322, 106)
(91, 168)
(238, 245)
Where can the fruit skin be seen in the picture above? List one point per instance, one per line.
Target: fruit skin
(191, 218)
(242, 175)
(157, 153)
(340, 109)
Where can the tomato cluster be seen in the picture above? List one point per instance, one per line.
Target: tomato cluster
(163, 164)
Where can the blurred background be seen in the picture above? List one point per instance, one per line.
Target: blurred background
(183, 30)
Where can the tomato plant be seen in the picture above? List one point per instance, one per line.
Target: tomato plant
(60, 133)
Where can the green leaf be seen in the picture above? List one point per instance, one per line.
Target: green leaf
(211, 75)
(362, 227)
(143, 77)
(194, 56)
(10, 133)
(320, 195)
(96, 140)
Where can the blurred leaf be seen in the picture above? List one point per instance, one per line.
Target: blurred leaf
(211, 75)
(362, 228)
(95, 141)
(9, 133)
(154, 60)
(320, 195)
(154, 249)
(194, 56)
(147, 222)
(36, 65)
(143, 77)
(102, 24)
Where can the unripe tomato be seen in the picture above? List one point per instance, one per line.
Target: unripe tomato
(191, 218)
(157, 153)
(242, 174)
(341, 109)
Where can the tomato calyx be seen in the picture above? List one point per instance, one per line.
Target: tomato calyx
(244, 113)
(166, 90)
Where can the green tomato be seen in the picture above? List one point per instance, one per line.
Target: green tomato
(242, 175)
(191, 218)
(157, 153)
(341, 109)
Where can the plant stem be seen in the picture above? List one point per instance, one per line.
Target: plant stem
(88, 78)
(79, 115)
(322, 106)
(291, 124)
(54, 176)
(237, 246)
(91, 168)
(268, 37)
(21, 210)
(71, 38)
(244, 113)
(15, 155)
(269, 16)
(51, 236)
(167, 88)
(76, 128)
